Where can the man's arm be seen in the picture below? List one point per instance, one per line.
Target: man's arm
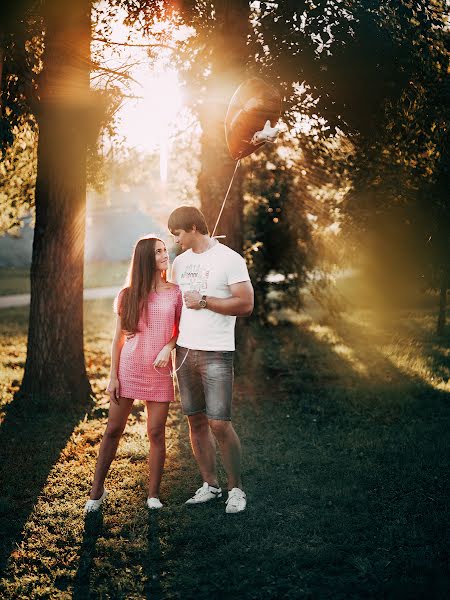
(239, 304)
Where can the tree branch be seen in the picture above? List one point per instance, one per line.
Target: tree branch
(104, 41)
(120, 74)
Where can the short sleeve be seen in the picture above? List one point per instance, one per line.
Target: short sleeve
(237, 270)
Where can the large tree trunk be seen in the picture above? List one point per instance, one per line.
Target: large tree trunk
(55, 357)
(229, 58)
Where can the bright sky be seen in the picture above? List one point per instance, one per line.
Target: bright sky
(147, 122)
(152, 110)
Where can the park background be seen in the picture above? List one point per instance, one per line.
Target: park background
(112, 114)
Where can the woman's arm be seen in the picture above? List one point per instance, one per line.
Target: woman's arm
(116, 347)
(162, 360)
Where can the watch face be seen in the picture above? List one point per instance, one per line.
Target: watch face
(202, 303)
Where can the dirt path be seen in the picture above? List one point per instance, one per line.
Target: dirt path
(89, 294)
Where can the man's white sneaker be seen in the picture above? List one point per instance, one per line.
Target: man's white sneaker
(154, 503)
(204, 494)
(237, 501)
(94, 505)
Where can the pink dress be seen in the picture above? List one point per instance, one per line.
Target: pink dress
(138, 378)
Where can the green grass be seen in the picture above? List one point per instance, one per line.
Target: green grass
(345, 432)
(16, 280)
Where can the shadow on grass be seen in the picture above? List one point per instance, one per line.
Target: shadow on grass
(93, 525)
(153, 563)
(32, 435)
(358, 457)
(345, 467)
(345, 474)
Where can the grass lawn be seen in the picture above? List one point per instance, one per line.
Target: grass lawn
(345, 432)
(16, 280)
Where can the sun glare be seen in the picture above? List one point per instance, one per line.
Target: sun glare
(147, 122)
(151, 109)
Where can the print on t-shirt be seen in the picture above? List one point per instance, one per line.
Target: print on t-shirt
(210, 273)
(194, 277)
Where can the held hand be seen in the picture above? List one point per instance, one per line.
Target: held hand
(113, 389)
(162, 360)
(191, 300)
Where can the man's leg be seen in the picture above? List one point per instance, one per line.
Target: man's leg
(230, 450)
(204, 447)
(193, 403)
(217, 377)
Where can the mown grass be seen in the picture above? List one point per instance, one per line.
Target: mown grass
(345, 431)
(16, 280)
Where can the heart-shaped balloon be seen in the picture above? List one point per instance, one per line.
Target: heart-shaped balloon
(255, 106)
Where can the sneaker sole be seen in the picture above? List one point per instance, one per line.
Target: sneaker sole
(235, 512)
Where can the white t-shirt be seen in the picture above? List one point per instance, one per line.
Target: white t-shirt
(210, 273)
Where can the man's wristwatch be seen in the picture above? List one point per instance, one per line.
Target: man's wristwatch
(202, 302)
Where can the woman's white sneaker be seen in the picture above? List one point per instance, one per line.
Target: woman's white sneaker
(154, 503)
(237, 501)
(94, 505)
(204, 494)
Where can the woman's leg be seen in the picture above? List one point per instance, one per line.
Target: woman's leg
(156, 429)
(117, 419)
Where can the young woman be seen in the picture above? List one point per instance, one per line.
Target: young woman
(148, 312)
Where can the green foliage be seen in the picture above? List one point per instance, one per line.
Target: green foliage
(21, 39)
(18, 178)
(398, 203)
(277, 233)
(354, 57)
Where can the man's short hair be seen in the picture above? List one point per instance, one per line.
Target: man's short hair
(185, 217)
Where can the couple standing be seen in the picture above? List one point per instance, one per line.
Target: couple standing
(196, 314)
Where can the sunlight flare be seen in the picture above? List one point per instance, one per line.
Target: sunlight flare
(147, 122)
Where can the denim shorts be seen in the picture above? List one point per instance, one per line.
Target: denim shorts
(205, 379)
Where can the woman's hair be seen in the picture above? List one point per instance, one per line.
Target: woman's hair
(132, 300)
(185, 217)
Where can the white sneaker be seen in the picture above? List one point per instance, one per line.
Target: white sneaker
(94, 505)
(154, 503)
(237, 501)
(204, 494)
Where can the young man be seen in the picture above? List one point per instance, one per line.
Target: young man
(216, 289)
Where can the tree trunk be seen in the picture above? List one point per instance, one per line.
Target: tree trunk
(229, 58)
(55, 365)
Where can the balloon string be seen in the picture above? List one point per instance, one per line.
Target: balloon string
(226, 196)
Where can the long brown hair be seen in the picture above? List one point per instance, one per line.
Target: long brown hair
(140, 280)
